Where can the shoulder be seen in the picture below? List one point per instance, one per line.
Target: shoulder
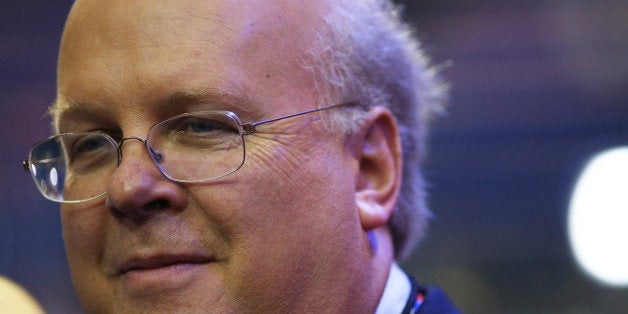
(430, 299)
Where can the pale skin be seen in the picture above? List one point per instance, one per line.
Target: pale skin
(288, 232)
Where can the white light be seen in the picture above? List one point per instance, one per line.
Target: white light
(15, 299)
(33, 169)
(598, 218)
(54, 179)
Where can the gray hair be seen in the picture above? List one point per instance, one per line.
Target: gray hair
(368, 54)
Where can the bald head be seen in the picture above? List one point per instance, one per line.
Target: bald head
(116, 40)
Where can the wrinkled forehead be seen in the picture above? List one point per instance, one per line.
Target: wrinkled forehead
(171, 33)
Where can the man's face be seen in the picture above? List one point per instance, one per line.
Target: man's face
(281, 231)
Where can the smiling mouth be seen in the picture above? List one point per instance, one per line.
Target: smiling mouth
(161, 262)
(163, 273)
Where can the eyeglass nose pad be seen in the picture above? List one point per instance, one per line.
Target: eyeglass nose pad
(157, 156)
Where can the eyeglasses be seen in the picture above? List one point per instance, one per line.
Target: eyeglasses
(190, 147)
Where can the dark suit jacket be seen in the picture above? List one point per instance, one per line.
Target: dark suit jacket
(435, 301)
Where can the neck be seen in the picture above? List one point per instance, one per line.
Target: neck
(382, 257)
(354, 285)
(363, 288)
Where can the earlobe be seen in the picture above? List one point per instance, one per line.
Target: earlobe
(372, 213)
(379, 153)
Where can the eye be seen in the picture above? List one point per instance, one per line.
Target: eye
(88, 152)
(200, 126)
(205, 126)
(89, 144)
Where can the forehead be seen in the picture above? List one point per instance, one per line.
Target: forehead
(137, 52)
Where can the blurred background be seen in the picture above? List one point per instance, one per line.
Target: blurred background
(538, 88)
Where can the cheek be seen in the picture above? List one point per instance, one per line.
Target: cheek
(83, 236)
(300, 182)
(291, 204)
(285, 214)
(294, 230)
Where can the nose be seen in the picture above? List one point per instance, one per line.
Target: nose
(137, 189)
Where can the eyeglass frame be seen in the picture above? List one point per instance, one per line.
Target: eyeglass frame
(247, 129)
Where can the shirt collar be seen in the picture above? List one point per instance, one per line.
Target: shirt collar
(396, 292)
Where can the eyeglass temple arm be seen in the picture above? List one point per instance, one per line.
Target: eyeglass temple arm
(26, 163)
(250, 127)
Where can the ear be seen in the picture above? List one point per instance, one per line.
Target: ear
(379, 155)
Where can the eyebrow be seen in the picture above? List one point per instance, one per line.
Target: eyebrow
(69, 107)
(61, 106)
(233, 99)
(170, 103)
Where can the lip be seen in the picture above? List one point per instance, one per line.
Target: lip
(163, 272)
(160, 261)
